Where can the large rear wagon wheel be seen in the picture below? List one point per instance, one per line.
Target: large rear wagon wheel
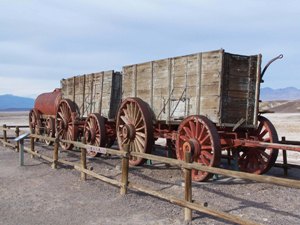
(35, 123)
(94, 132)
(134, 128)
(65, 123)
(200, 136)
(259, 160)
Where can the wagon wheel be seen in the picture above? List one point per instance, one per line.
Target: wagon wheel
(35, 122)
(259, 160)
(200, 136)
(94, 132)
(50, 129)
(65, 123)
(134, 127)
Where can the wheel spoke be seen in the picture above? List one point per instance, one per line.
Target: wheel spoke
(140, 140)
(140, 128)
(201, 133)
(263, 134)
(197, 129)
(193, 128)
(205, 139)
(207, 154)
(124, 119)
(204, 160)
(138, 123)
(139, 147)
(188, 132)
(184, 138)
(141, 134)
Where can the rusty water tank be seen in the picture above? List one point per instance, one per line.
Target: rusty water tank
(47, 103)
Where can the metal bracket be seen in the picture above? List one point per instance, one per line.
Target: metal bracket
(20, 139)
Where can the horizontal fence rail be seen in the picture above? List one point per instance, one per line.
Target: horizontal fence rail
(124, 183)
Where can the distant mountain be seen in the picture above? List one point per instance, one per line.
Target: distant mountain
(289, 93)
(15, 103)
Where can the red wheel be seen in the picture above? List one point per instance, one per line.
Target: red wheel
(94, 131)
(200, 136)
(35, 123)
(65, 123)
(134, 127)
(50, 129)
(259, 160)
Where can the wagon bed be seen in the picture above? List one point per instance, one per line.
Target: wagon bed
(222, 86)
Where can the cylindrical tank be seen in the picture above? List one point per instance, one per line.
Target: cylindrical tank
(47, 103)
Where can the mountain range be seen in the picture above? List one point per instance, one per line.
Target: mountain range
(288, 93)
(11, 102)
(15, 103)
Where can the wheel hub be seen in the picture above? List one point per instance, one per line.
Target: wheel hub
(128, 131)
(192, 146)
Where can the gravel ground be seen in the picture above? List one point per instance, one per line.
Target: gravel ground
(37, 194)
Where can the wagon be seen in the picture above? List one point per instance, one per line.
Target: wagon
(84, 107)
(88, 107)
(206, 103)
(42, 116)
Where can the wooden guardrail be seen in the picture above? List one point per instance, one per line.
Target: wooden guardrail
(124, 183)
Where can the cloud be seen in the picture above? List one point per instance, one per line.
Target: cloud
(51, 40)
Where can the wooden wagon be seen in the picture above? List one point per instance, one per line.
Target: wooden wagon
(88, 108)
(206, 103)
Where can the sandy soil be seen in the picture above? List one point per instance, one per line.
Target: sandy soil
(37, 194)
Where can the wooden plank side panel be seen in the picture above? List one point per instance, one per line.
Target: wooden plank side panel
(79, 92)
(211, 78)
(175, 81)
(106, 93)
(97, 93)
(67, 88)
(144, 81)
(160, 88)
(128, 84)
(94, 93)
(239, 89)
(116, 95)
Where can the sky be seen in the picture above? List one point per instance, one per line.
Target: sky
(42, 42)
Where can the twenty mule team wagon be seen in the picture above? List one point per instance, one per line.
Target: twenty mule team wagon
(206, 103)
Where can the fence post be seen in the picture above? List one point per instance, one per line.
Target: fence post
(83, 160)
(55, 153)
(284, 156)
(187, 188)
(4, 134)
(21, 152)
(125, 167)
(32, 146)
(17, 135)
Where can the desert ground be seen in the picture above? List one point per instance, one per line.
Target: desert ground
(37, 194)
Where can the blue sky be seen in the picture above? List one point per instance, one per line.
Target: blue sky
(42, 42)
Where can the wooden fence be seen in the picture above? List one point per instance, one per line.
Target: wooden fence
(186, 201)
